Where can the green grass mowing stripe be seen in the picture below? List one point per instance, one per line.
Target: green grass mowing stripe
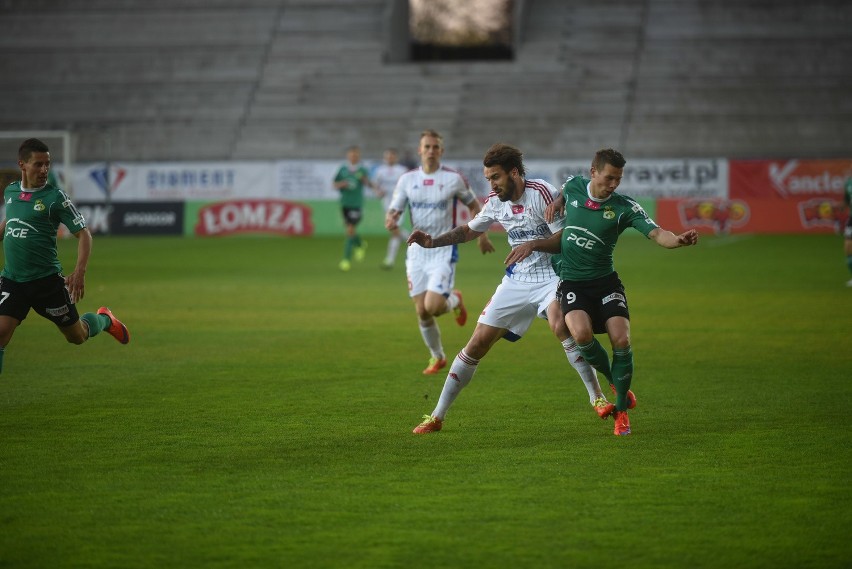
(261, 417)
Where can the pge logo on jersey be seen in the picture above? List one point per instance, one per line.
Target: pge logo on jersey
(719, 214)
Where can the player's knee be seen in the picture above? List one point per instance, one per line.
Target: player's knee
(582, 337)
(559, 328)
(423, 314)
(434, 308)
(476, 348)
(620, 341)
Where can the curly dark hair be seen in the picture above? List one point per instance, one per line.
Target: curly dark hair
(505, 156)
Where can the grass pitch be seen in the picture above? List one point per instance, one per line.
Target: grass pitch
(261, 417)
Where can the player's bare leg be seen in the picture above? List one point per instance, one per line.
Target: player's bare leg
(8, 325)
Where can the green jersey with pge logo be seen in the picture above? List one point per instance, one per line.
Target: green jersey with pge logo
(592, 228)
(32, 222)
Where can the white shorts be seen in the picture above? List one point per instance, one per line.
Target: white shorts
(439, 276)
(514, 305)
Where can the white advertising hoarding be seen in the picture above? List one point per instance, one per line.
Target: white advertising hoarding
(173, 181)
(301, 180)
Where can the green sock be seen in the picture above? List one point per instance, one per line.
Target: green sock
(347, 248)
(622, 374)
(597, 357)
(357, 239)
(96, 322)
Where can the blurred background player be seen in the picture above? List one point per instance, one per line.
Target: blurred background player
(385, 177)
(847, 231)
(431, 193)
(527, 291)
(32, 274)
(350, 180)
(590, 292)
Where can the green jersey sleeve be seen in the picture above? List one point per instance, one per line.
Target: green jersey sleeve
(637, 218)
(67, 214)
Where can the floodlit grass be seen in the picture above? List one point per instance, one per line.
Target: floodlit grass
(261, 417)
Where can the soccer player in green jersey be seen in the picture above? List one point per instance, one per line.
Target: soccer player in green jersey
(847, 231)
(590, 293)
(350, 180)
(32, 274)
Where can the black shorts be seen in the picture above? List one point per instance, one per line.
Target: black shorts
(352, 215)
(600, 298)
(847, 231)
(47, 296)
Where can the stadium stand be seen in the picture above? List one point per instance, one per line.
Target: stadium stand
(269, 79)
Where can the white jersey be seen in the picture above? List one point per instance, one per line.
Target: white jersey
(432, 200)
(385, 178)
(523, 221)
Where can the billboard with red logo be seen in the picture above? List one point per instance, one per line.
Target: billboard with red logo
(768, 196)
(723, 216)
(788, 179)
(235, 217)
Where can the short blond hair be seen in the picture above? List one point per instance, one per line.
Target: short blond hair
(433, 134)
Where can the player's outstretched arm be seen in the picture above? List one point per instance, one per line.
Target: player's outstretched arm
(669, 240)
(460, 234)
(552, 244)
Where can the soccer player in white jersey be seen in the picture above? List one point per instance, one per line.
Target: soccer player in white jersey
(385, 177)
(527, 291)
(431, 193)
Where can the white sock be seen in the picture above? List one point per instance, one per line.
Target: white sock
(432, 338)
(393, 248)
(586, 371)
(452, 301)
(460, 374)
